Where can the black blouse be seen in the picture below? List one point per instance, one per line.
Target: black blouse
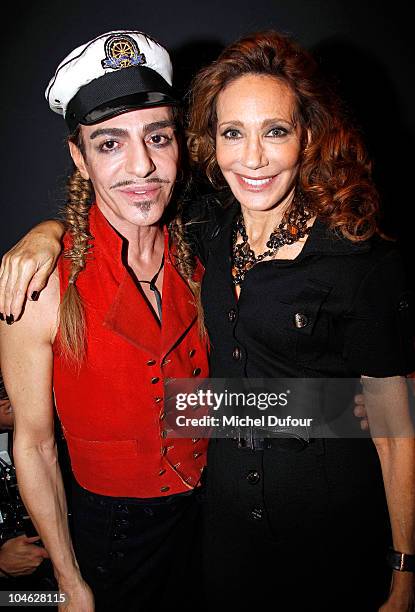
(339, 309)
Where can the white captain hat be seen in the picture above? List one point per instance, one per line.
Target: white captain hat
(109, 75)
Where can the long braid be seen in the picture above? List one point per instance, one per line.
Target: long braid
(185, 262)
(76, 214)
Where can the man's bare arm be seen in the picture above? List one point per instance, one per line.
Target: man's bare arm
(27, 360)
(25, 269)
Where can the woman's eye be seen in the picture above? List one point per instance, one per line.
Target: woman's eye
(277, 132)
(231, 134)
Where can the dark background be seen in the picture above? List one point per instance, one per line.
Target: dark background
(367, 48)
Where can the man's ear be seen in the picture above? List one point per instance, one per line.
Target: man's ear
(78, 160)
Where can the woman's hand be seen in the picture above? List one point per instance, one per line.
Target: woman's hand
(26, 268)
(402, 595)
(359, 411)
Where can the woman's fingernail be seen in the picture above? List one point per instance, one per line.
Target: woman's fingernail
(35, 295)
(1, 316)
(10, 320)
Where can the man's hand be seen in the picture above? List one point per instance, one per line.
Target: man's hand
(20, 556)
(79, 597)
(25, 269)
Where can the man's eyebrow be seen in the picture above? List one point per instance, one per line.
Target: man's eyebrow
(158, 125)
(108, 132)
(149, 127)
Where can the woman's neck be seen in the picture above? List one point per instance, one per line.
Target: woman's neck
(260, 224)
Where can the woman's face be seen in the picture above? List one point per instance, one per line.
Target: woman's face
(258, 143)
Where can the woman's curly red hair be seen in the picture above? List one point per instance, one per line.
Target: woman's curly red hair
(335, 170)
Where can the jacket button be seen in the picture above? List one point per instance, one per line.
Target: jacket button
(158, 399)
(155, 380)
(253, 477)
(151, 362)
(300, 320)
(192, 352)
(161, 472)
(232, 315)
(257, 514)
(196, 455)
(164, 433)
(237, 353)
(164, 450)
(162, 416)
(164, 489)
(196, 371)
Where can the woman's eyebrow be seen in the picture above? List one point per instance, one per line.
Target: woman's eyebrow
(263, 124)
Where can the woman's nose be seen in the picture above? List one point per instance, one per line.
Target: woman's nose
(254, 154)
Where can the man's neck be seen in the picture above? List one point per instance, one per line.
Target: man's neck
(145, 242)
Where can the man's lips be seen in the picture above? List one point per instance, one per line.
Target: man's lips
(258, 183)
(136, 191)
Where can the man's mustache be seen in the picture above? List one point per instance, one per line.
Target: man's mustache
(140, 184)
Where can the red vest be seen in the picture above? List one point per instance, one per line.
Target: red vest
(111, 409)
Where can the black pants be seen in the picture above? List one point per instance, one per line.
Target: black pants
(137, 554)
(295, 529)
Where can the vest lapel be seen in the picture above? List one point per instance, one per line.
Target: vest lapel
(130, 316)
(178, 310)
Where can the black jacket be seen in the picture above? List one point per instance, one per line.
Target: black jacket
(354, 300)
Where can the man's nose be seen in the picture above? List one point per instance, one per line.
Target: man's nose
(254, 155)
(139, 160)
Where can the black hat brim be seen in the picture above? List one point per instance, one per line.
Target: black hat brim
(119, 92)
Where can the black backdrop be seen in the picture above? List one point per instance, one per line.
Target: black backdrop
(366, 47)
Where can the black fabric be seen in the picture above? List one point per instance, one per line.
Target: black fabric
(136, 553)
(307, 534)
(118, 92)
(311, 529)
(360, 313)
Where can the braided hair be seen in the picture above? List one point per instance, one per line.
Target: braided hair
(76, 217)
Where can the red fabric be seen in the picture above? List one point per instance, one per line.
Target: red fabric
(108, 409)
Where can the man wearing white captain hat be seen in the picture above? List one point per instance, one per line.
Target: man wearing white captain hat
(117, 317)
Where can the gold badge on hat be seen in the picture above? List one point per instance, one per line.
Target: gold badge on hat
(122, 52)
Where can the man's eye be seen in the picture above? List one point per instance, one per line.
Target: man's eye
(160, 139)
(108, 145)
(231, 134)
(277, 132)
